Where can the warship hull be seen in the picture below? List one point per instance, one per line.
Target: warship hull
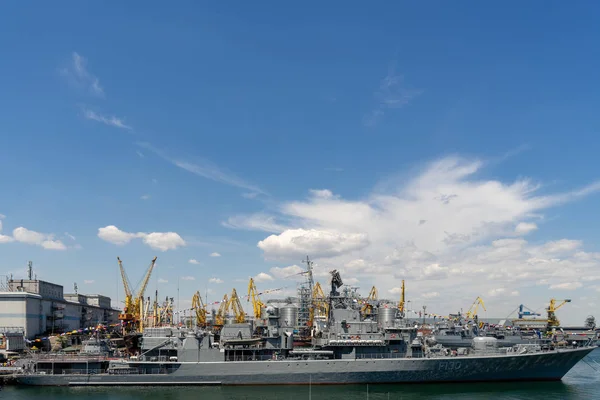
(541, 366)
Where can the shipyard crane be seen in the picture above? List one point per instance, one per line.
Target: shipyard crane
(320, 302)
(222, 313)
(200, 309)
(257, 305)
(526, 311)
(472, 313)
(552, 307)
(127, 314)
(236, 307)
(402, 298)
(367, 308)
(133, 312)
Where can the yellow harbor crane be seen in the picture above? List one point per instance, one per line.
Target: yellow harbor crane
(133, 312)
(222, 313)
(200, 309)
(552, 307)
(367, 308)
(402, 303)
(257, 305)
(321, 307)
(236, 306)
(472, 313)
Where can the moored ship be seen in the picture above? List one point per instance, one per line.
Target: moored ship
(345, 348)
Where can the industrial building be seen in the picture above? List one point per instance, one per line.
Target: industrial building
(39, 308)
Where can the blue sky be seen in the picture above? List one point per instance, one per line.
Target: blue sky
(215, 122)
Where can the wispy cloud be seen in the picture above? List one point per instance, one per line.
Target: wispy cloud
(110, 121)
(392, 93)
(145, 197)
(215, 254)
(205, 169)
(78, 74)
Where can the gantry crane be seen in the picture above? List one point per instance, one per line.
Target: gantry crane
(522, 312)
(472, 313)
(236, 306)
(552, 307)
(367, 308)
(257, 305)
(200, 309)
(134, 312)
(402, 302)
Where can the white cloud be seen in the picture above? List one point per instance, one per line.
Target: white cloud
(497, 292)
(78, 75)
(215, 254)
(4, 238)
(215, 280)
(292, 271)
(263, 277)
(161, 280)
(145, 197)
(27, 236)
(162, 241)
(88, 281)
(523, 228)
(258, 221)
(430, 295)
(116, 236)
(205, 169)
(67, 234)
(392, 93)
(188, 278)
(562, 246)
(53, 245)
(319, 243)
(110, 121)
(469, 244)
(395, 290)
(193, 261)
(567, 286)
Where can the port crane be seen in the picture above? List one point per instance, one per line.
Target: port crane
(200, 309)
(367, 308)
(257, 305)
(236, 306)
(222, 313)
(551, 310)
(320, 302)
(525, 311)
(402, 303)
(133, 312)
(472, 313)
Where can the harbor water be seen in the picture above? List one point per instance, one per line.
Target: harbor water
(582, 382)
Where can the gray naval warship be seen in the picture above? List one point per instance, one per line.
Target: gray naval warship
(344, 349)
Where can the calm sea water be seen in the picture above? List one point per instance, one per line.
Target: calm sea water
(582, 382)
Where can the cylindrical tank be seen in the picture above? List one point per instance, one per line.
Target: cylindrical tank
(484, 342)
(288, 316)
(386, 316)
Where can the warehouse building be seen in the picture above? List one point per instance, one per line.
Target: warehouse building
(41, 308)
